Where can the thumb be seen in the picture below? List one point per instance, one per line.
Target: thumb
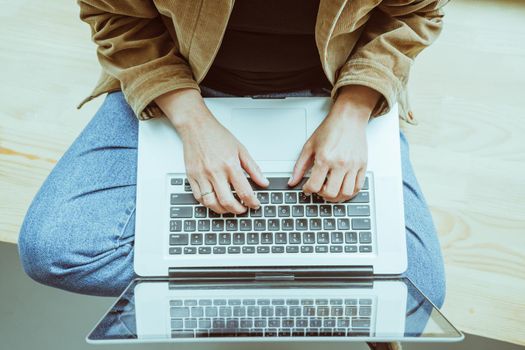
(304, 162)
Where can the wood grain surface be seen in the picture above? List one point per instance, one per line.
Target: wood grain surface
(468, 149)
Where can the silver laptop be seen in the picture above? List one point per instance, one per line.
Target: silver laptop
(311, 267)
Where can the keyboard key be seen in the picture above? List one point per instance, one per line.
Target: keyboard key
(197, 311)
(203, 225)
(361, 224)
(328, 224)
(365, 301)
(321, 249)
(274, 224)
(245, 225)
(217, 225)
(292, 249)
(312, 210)
(323, 238)
(365, 311)
(343, 224)
(225, 311)
(212, 214)
(336, 249)
(204, 250)
(270, 211)
(177, 323)
(238, 238)
(259, 225)
(225, 238)
(263, 197)
(276, 197)
(283, 210)
(350, 249)
(290, 197)
(301, 224)
(175, 225)
(365, 249)
(234, 250)
(175, 250)
(205, 323)
(317, 198)
(278, 249)
(231, 225)
(309, 238)
(315, 224)
(287, 224)
(336, 237)
(239, 311)
(200, 212)
(339, 210)
(365, 237)
(180, 311)
(263, 249)
(325, 210)
(360, 323)
(304, 198)
(307, 249)
(280, 238)
(295, 238)
(253, 311)
(297, 211)
(210, 239)
(196, 239)
(252, 238)
(181, 212)
(361, 197)
(350, 237)
(256, 213)
(248, 249)
(350, 310)
(190, 250)
(266, 238)
(179, 239)
(358, 210)
(176, 181)
(219, 250)
(183, 198)
(190, 225)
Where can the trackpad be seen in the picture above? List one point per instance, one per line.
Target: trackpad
(270, 133)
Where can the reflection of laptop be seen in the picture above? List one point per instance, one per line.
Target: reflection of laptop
(359, 309)
(292, 236)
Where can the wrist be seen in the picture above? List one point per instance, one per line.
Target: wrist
(356, 100)
(185, 108)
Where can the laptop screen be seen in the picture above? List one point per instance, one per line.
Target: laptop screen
(164, 310)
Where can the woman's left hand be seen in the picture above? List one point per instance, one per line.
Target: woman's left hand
(337, 150)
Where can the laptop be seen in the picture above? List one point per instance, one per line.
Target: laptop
(296, 268)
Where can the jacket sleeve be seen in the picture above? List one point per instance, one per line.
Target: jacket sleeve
(395, 34)
(134, 46)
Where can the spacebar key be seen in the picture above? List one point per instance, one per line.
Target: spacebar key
(278, 183)
(183, 198)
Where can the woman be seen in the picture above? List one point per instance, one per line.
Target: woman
(164, 56)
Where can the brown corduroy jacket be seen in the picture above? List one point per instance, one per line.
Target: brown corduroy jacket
(150, 47)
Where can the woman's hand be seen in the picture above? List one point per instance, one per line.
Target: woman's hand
(214, 158)
(337, 150)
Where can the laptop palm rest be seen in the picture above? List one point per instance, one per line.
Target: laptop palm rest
(270, 134)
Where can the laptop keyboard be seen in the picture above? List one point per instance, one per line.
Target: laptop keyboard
(288, 222)
(271, 317)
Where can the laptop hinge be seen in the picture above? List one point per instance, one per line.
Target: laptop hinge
(271, 273)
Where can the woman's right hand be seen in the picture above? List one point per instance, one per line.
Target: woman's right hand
(215, 160)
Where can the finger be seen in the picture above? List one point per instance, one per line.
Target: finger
(209, 200)
(304, 162)
(348, 188)
(334, 182)
(225, 196)
(316, 180)
(252, 168)
(195, 189)
(360, 180)
(243, 189)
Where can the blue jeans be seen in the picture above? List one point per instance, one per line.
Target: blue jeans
(78, 233)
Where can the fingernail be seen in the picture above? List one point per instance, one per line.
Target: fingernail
(290, 180)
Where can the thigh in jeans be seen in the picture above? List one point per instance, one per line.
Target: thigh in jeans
(78, 233)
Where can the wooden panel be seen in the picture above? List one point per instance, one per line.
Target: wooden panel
(468, 149)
